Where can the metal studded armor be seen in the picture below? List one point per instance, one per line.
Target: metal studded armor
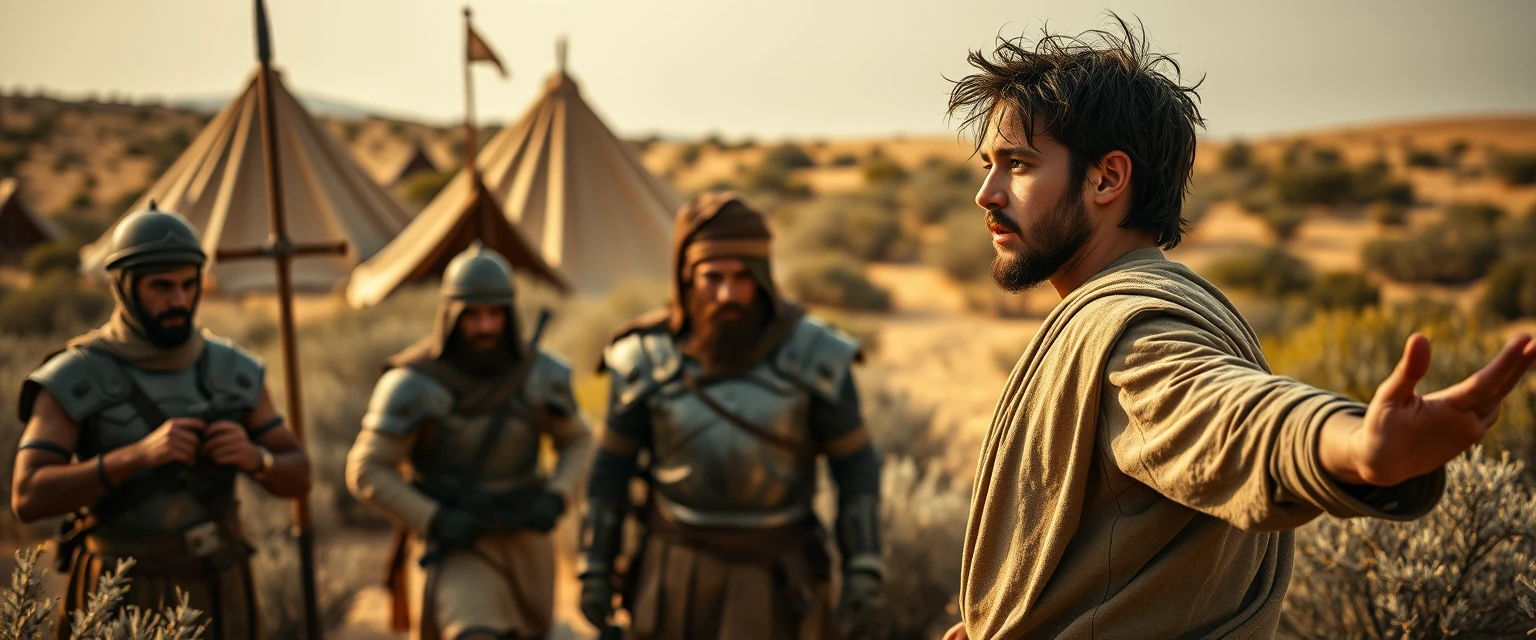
(94, 390)
(709, 469)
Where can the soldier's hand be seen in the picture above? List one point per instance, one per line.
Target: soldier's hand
(957, 632)
(545, 511)
(597, 598)
(455, 528)
(858, 609)
(173, 441)
(226, 443)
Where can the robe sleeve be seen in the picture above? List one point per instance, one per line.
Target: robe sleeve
(573, 444)
(373, 476)
(1220, 435)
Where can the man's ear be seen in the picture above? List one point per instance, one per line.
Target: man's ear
(1109, 179)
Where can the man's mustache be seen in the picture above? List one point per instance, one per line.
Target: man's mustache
(184, 314)
(715, 311)
(996, 217)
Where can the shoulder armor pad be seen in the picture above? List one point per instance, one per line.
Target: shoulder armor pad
(818, 356)
(233, 375)
(641, 363)
(549, 384)
(403, 399)
(82, 381)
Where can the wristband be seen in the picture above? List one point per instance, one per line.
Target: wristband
(101, 472)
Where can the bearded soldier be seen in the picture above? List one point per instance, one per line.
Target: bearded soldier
(734, 393)
(464, 410)
(140, 427)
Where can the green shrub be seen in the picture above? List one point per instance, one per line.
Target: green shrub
(835, 280)
(881, 171)
(863, 225)
(421, 188)
(1514, 168)
(1344, 290)
(788, 156)
(1269, 271)
(1510, 292)
(773, 179)
(1387, 213)
(1284, 221)
(1237, 155)
(963, 251)
(53, 256)
(1442, 254)
(1322, 185)
(1474, 214)
(53, 303)
(1423, 158)
(845, 160)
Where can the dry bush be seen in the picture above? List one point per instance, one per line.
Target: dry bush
(863, 224)
(53, 303)
(1455, 572)
(984, 296)
(836, 280)
(53, 256)
(1446, 253)
(962, 249)
(1343, 290)
(1269, 271)
(1514, 168)
(27, 614)
(1387, 213)
(1510, 291)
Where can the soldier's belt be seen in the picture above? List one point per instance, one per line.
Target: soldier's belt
(192, 552)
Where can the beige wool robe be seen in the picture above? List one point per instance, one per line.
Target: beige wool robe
(1144, 468)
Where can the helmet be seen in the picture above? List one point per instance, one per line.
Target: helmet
(154, 237)
(478, 275)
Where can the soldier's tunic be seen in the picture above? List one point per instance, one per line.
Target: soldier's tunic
(505, 583)
(179, 524)
(734, 549)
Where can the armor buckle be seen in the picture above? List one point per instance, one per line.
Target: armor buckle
(202, 539)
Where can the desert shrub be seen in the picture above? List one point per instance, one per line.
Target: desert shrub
(880, 171)
(1474, 214)
(27, 613)
(421, 188)
(1463, 570)
(773, 179)
(1423, 158)
(1510, 291)
(1353, 352)
(1387, 213)
(1514, 168)
(1269, 271)
(835, 280)
(984, 297)
(1284, 221)
(1343, 290)
(863, 224)
(1314, 184)
(53, 256)
(1443, 254)
(963, 249)
(689, 154)
(1235, 156)
(1455, 149)
(52, 303)
(788, 156)
(845, 160)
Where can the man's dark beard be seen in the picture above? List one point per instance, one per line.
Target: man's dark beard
(1057, 237)
(169, 337)
(726, 345)
(472, 358)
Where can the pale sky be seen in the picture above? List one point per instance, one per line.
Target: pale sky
(779, 68)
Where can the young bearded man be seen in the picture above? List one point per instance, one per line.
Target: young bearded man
(140, 427)
(1144, 469)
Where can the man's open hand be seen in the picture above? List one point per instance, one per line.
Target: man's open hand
(1405, 435)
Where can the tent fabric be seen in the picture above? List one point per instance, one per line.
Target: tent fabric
(21, 226)
(219, 184)
(577, 193)
(424, 248)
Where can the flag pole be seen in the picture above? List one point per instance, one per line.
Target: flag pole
(282, 250)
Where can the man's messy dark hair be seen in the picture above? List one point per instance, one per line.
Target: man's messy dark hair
(1097, 92)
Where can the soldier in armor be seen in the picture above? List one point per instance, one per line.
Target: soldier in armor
(450, 450)
(139, 429)
(732, 393)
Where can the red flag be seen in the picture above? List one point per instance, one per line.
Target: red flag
(480, 51)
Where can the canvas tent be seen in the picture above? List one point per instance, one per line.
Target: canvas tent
(21, 227)
(577, 193)
(219, 184)
(413, 162)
